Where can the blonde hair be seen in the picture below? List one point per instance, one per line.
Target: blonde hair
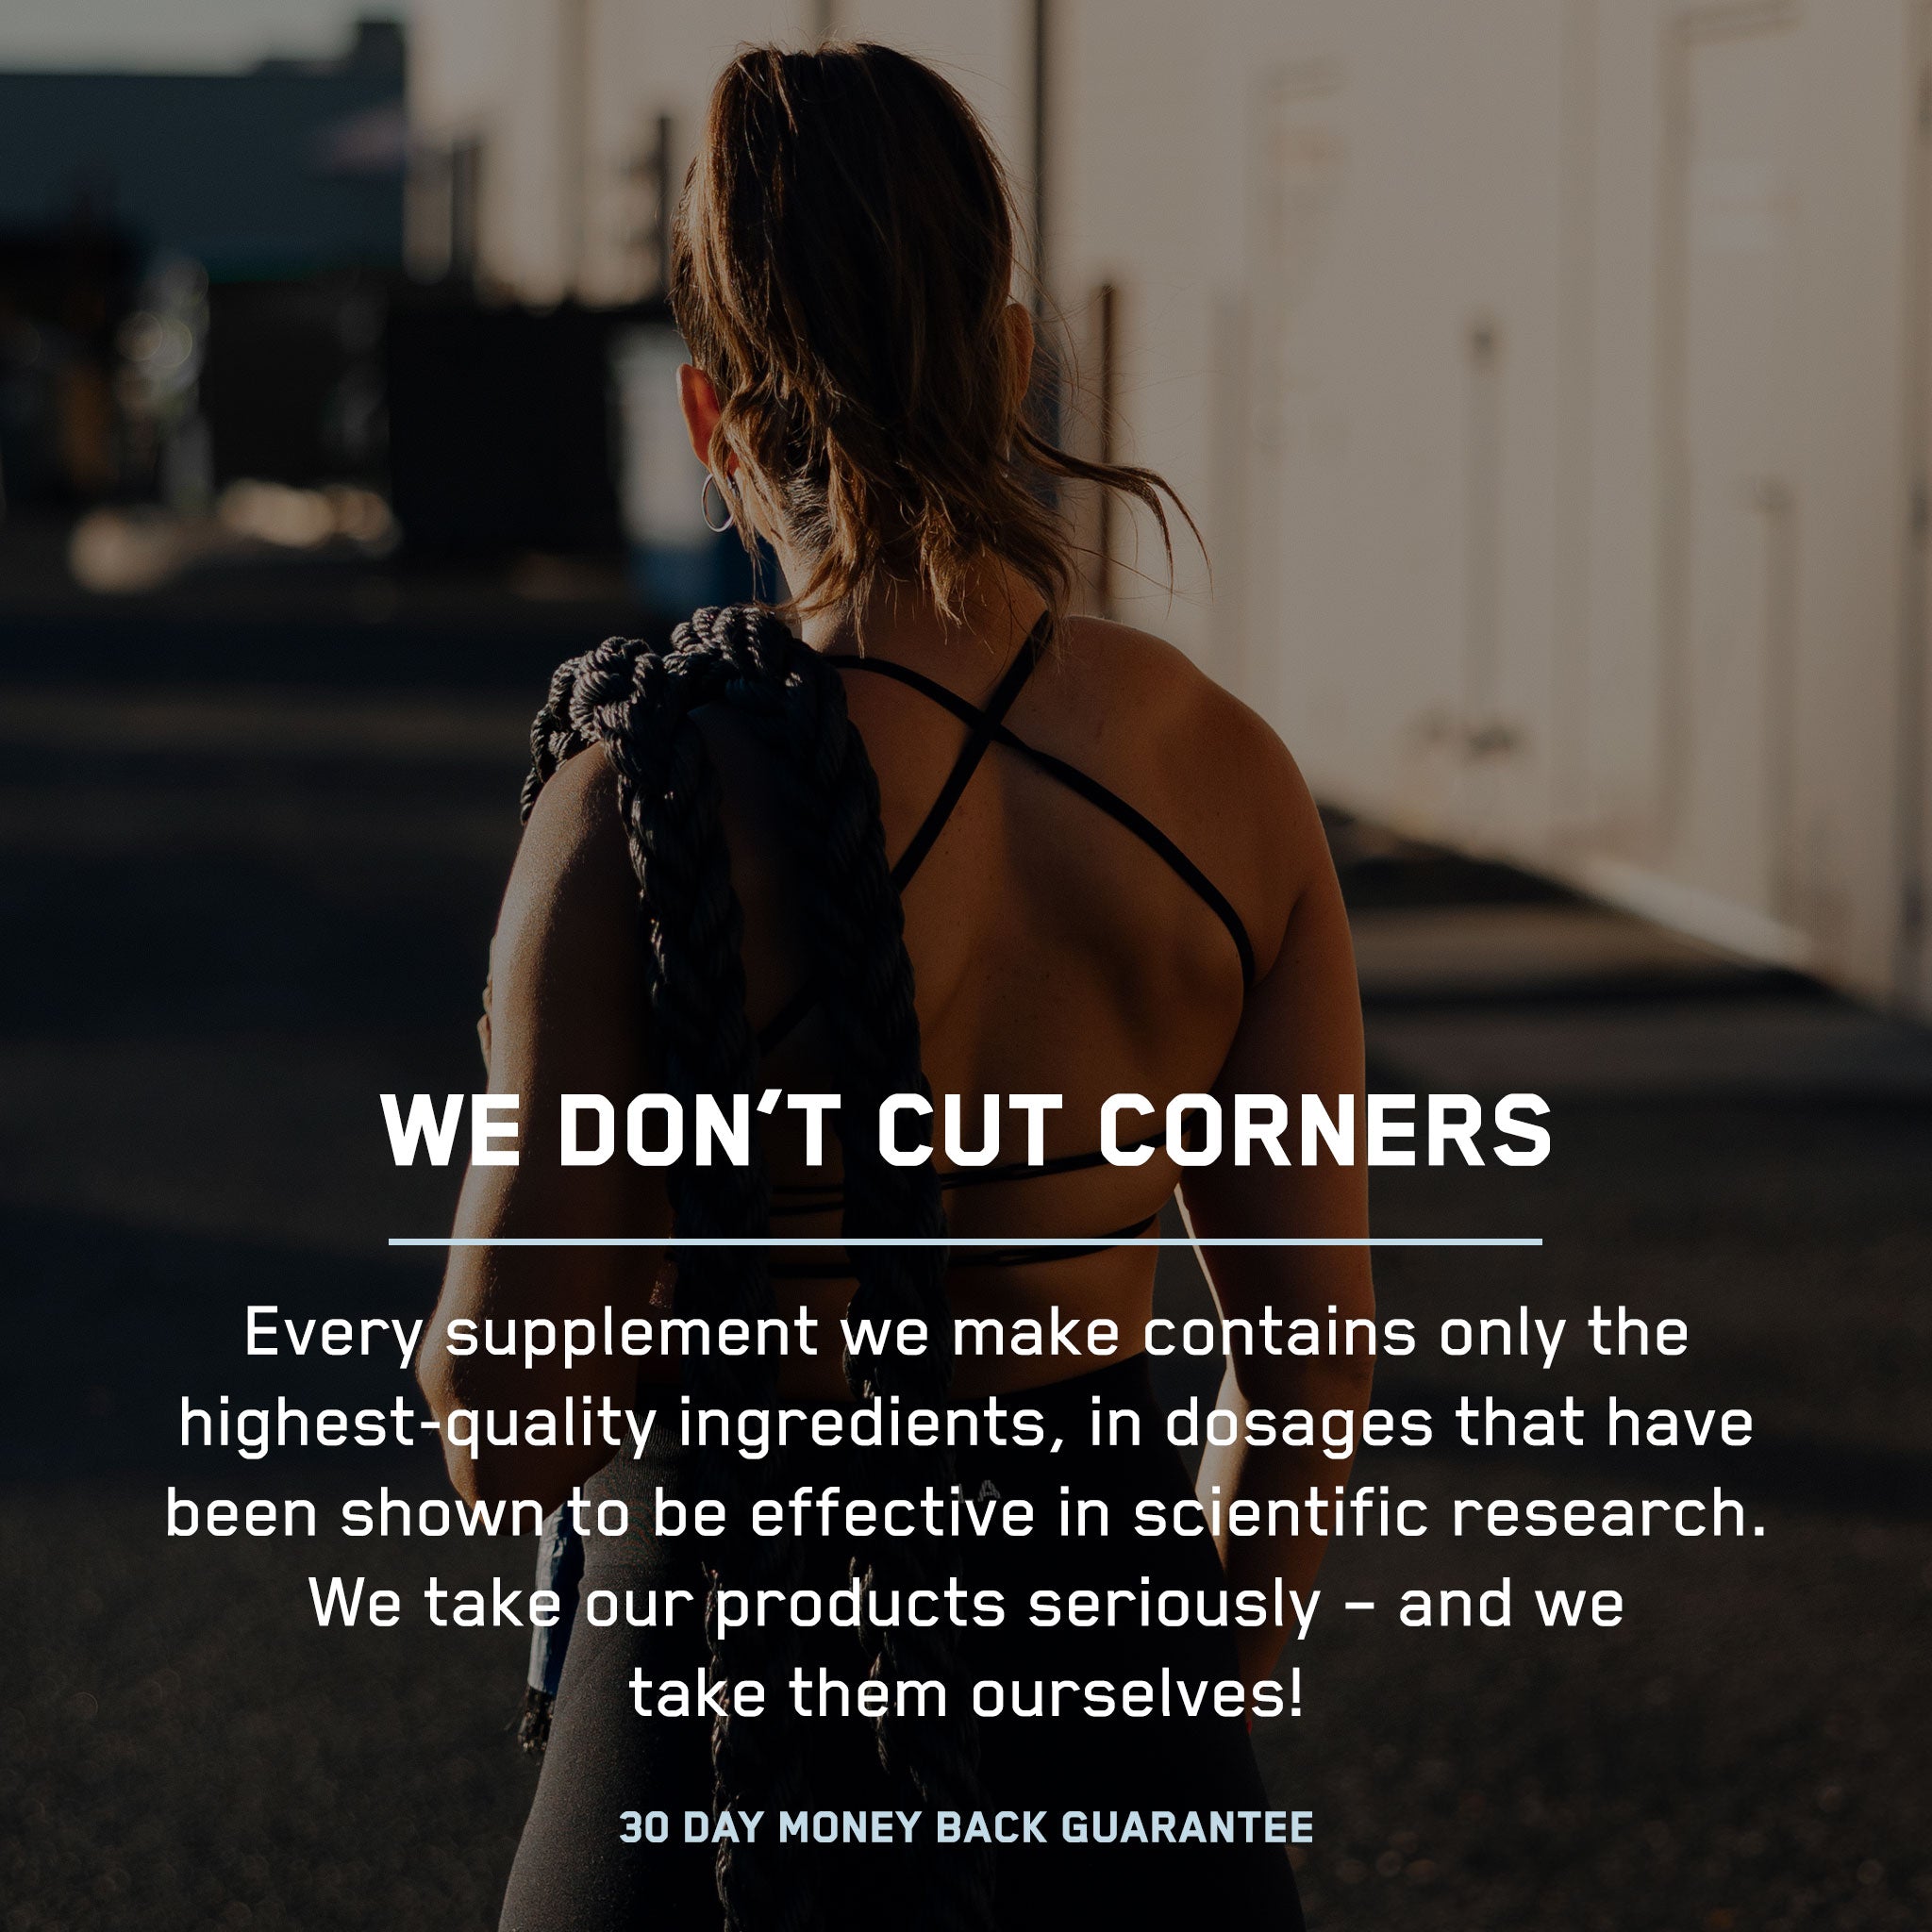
(841, 263)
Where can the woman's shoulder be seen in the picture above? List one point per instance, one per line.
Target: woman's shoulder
(574, 820)
(572, 876)
(1226, 785)
(1140, 689)
(1133, 675)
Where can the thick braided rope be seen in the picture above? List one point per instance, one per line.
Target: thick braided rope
(866, 987)
(637, 705)
(668, 795)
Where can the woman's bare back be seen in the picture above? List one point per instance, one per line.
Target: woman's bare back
(1053, 950)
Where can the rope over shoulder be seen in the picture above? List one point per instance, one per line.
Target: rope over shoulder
(637, 702)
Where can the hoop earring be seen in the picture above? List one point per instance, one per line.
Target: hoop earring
(705, 504)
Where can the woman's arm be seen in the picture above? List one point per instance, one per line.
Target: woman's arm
(566, 1016)
(1300, 1032)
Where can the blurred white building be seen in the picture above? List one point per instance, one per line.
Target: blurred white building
(1549, 377)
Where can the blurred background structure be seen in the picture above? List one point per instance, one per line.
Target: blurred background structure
(1549, 377)
(1550, 380)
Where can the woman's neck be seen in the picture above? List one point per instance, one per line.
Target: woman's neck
(901, 621)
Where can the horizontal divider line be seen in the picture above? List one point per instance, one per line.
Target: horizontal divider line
(966, 1241)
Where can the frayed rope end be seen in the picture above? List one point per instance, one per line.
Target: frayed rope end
(533, 1723)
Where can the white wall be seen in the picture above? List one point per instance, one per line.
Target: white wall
(1546, 373)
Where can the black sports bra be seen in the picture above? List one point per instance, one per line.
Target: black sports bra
(986, 727)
